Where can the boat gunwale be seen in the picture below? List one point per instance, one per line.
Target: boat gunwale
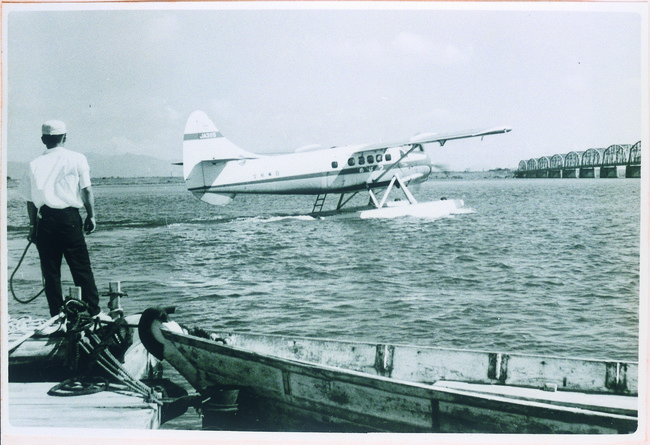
(603, 378)
(432, 348)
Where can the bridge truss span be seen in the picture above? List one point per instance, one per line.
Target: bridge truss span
(619, 160)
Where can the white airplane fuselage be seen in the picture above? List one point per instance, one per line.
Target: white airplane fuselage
(334, 170)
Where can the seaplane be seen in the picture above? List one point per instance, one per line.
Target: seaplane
(216, 170)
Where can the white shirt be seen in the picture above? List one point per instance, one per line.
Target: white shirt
(56, 178)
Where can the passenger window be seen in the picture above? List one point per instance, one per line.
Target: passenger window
(335, 164)
(370, 159)
(388, 157)
(351, 162)
(361, 160)
(378, 158)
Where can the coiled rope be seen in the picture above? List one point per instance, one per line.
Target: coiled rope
(11, 279)
(75, 387)
(23, 324)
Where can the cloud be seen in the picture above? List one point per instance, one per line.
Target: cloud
(172, 114)
(409, 43)
(414, 45)
(576, 82)
(403, 47)
(164, 28)
(221, 107)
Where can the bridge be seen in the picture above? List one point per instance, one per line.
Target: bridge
(611, 162)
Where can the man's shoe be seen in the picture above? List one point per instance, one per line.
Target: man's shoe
(102, 316)
(54, 330)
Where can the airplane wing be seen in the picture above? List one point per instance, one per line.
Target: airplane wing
(430, 138)
(441, 138)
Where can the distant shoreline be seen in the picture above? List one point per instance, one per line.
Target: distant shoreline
(140, 180)
(491, 174)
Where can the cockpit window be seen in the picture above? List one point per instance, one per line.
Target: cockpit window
(371, 159)
(361, 160)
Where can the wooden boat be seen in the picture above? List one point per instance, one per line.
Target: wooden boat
(302, 384)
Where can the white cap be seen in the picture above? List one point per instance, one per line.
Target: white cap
(53, 128)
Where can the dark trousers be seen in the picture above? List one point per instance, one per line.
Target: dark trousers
(60, 234)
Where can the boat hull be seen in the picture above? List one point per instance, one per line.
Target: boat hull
(286, 394)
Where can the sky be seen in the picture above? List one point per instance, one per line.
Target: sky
(276, 77)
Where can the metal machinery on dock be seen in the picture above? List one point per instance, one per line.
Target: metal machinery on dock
(99, 360)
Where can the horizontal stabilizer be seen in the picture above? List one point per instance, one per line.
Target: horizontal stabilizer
(215, 199)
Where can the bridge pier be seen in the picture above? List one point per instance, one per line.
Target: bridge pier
(569, 172)
(608, 172)
(633, 171)
(588, 172)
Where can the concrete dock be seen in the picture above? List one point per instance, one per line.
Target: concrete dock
(29, 405)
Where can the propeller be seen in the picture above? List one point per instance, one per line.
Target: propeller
(441, 167)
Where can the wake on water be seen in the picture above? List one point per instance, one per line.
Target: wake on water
(166, 222)
(170, 221)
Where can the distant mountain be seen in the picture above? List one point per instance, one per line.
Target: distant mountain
(129, 166)
(120, 166)
(16, 170)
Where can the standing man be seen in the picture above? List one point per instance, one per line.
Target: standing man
(56, 187)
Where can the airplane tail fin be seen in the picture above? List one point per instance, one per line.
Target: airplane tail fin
(203, 143)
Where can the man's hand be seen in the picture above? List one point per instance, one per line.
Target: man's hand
(90, 225)
(31, 236)
(32, 212)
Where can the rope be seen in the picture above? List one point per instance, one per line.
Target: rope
(38, 330)
(11, 280)
(23, 324)
(74, 387)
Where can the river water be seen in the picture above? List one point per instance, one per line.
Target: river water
(541, 266)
